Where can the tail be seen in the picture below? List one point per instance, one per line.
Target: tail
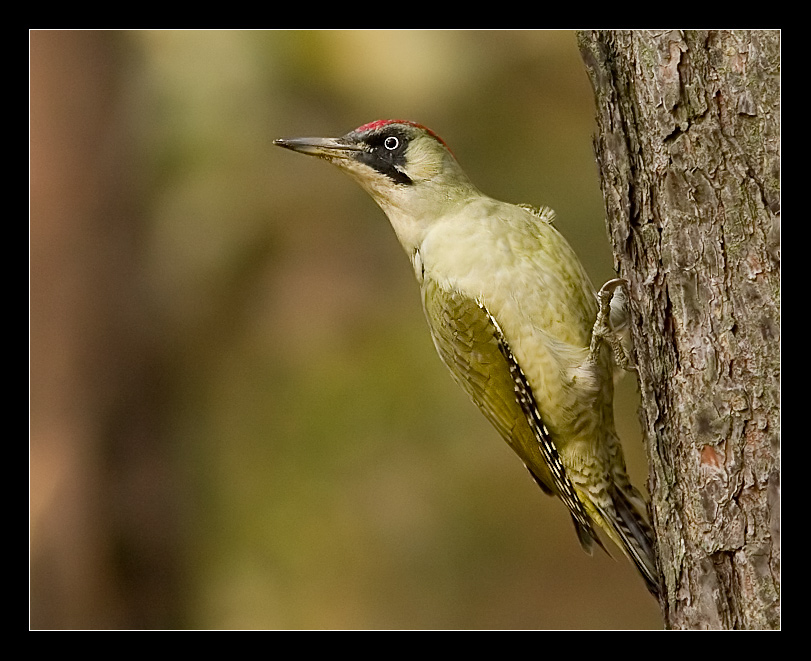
(636, 535)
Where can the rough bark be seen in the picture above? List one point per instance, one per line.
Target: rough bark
(688, 130)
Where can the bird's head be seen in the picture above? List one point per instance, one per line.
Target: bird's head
(405, 167)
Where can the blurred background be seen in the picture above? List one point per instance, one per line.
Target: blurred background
(237, 416)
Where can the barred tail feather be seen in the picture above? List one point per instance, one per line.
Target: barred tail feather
(587, 539)
(636, 535)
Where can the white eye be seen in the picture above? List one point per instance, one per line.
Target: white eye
(391, 143)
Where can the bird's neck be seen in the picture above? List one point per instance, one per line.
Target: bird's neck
(412, 213)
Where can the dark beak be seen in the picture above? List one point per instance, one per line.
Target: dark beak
(324, 147)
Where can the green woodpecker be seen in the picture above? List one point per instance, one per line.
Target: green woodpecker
(514, 317)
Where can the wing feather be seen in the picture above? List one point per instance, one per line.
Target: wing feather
(470, 342)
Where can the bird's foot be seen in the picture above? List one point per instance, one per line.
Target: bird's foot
(603, 331)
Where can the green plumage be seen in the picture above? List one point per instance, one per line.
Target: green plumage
(471, 343)
(511, 312)
(467, 342)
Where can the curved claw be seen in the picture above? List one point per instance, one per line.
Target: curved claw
(603, 332)
(611, 285)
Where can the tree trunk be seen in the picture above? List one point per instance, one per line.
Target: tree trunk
(688, 146)
(103, 524)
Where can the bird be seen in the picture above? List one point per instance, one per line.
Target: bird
(515, 318)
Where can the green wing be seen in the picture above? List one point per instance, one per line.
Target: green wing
(472, 345)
